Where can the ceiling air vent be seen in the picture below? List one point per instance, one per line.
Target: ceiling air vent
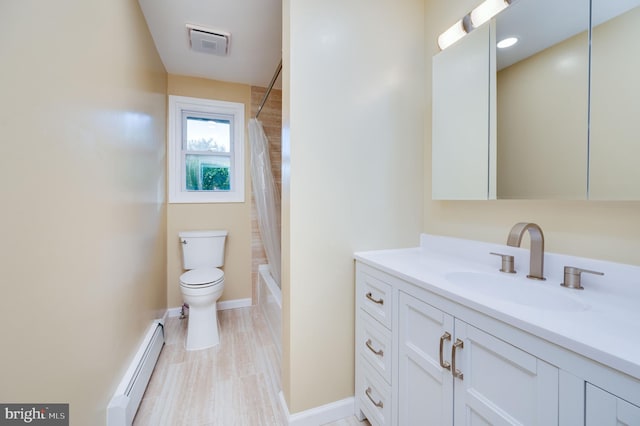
(208, 41)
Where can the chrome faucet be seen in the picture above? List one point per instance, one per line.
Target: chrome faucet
(536, 261)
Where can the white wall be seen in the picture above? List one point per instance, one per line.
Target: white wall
(353, 105)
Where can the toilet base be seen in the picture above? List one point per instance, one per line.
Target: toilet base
(202, 329)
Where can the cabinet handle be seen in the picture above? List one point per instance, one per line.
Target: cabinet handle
(378, 301)
(444, 364)
(377, 404)
(456, 373)
(379, 352)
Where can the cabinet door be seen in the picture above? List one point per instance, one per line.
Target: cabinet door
(425, 388)
(463, 151)
(605, 409)
(501, 384)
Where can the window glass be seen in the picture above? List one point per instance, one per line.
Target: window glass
(208, 134)
(206, 151)
(207, 172)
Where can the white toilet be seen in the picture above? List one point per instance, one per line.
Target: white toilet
(202, 285)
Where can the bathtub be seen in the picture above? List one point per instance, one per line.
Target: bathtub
(270, 304)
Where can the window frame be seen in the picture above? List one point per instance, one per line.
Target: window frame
(178, 105)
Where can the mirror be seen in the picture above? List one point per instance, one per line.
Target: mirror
(542, 100)
(614, 143)
(553, 133)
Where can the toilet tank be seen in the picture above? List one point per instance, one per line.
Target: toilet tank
(202, 248)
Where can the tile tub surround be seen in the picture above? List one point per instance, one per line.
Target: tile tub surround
(605, 332)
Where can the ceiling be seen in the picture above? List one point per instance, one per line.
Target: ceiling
(256, 37)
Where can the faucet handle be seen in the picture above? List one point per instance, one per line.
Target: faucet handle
(507, 263)
(572, 277)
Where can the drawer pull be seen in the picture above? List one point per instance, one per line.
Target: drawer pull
(378, 404)
(378, 301)
(379, 352)
(444, 364)
(456, 373)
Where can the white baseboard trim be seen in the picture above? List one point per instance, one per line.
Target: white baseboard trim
(222, 306)
(125, 402)
(319, 415)
(234, 304)
(173, 312)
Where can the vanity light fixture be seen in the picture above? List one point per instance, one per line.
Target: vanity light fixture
(478, 16)
(506, 42)
(487, 10)
(453, 34)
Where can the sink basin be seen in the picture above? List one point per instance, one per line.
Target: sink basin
(518, 290)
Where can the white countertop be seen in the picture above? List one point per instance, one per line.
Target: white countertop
(605, 327)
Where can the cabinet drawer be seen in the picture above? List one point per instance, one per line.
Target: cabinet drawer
(374, 345)
(375, 396)
(604, 408)
(375, 297)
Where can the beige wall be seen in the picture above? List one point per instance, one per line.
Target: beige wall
(82, 178)
(234, 217)
(352, 173)
(606, 230)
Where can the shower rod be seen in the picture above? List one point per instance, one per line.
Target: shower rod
(266, 94)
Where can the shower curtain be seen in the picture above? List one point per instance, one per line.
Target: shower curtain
(266, 196)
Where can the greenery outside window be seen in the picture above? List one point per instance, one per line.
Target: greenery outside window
(206, 160)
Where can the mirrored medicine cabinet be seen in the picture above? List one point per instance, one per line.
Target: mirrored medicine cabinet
(547, 118)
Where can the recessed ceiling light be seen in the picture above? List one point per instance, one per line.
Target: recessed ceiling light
(507, 42)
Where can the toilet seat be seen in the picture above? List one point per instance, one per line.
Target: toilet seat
(202, 277)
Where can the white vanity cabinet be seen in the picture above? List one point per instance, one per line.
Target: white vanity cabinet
(374, 349)
(425, 386)
(605, 409)
(407, 351)
(411, 340)
(453, 373)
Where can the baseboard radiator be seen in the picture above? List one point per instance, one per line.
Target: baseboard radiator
(124, 404)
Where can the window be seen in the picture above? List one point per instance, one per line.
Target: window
(206, 156)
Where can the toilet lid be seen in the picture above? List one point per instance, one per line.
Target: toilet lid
(202, 276)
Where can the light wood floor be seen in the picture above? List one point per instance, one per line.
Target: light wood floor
(234, 383)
